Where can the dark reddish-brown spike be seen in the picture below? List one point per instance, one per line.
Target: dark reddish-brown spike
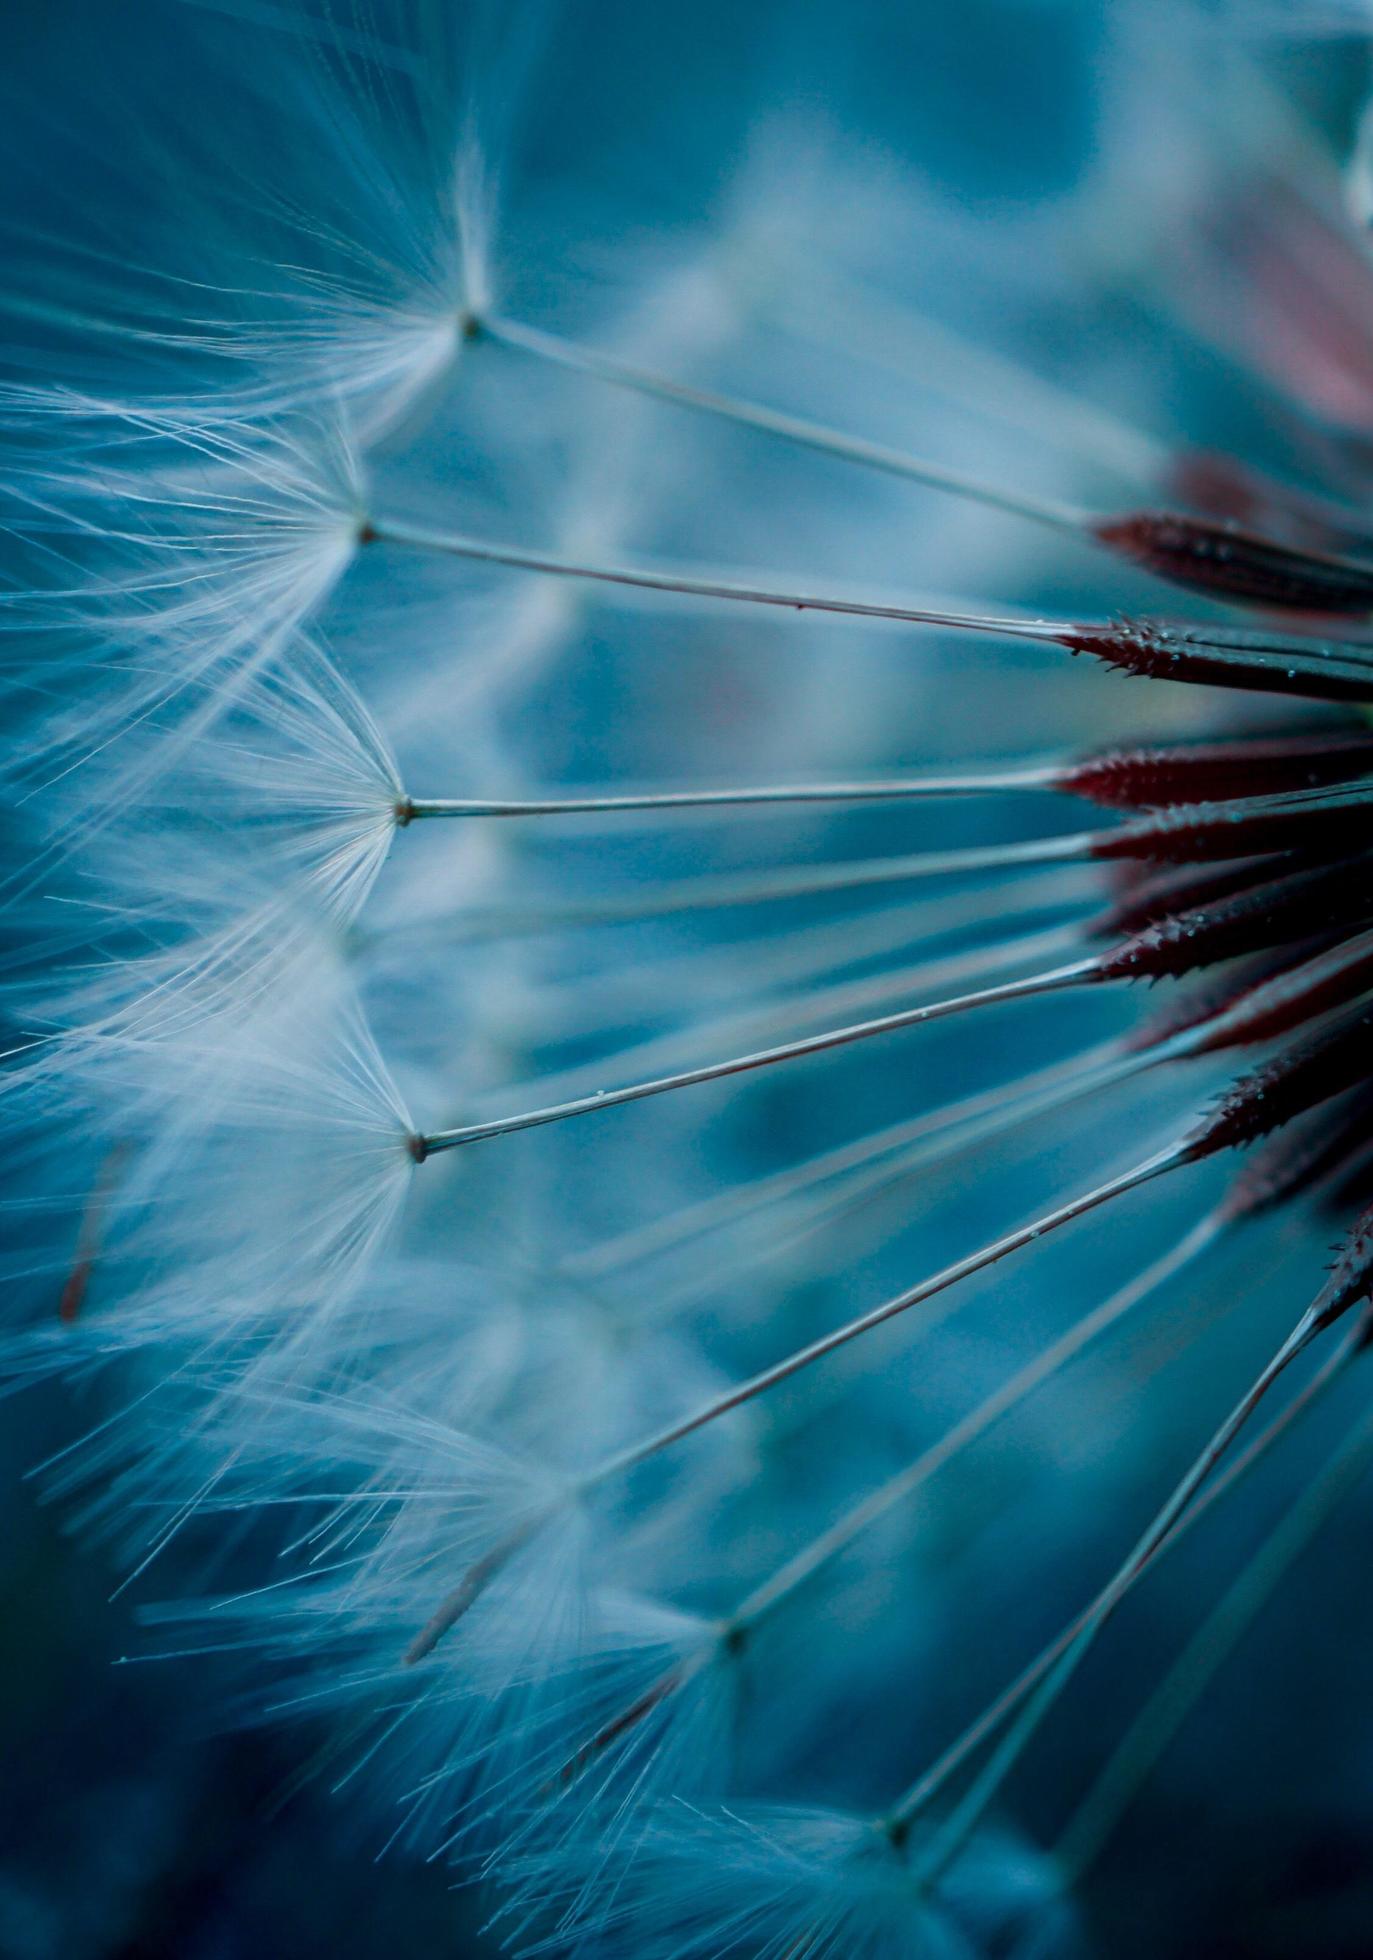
(1304, 905)
(1326, 979)
(1145, 894)
(1228, 562)
(1303, 1157)
(1351, 1279)
(1215, 996)
(1255, 661)
(1145, 778)
(1200, 833)
(1310, 1072)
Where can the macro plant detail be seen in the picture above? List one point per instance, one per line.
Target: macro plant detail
(680, 1156)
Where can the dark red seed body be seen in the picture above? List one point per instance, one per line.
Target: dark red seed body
(1301, 1077)
(1145, 778)
(1303, 905)
(1216, 996)
(1203, 832)
(1255, 662)
(1329, 977)
(1225, 561)
(1298, 1160)
(1146, 894)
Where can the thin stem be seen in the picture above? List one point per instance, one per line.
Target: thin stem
(872, 1183)
(1004, 1103)
(456, 1603)
(520, 558)
(966, 1815)
(728, 1635)
(988, 782)
(1186, 552)
(988, 1255)
(920, 349)
(1078, 972)
(783, 971)
(825, 1000)
(811, 881)
(1003, 1399)
(929, 1784)
(1094, 1821)
(795, 429)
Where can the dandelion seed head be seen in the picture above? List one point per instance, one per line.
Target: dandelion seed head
(581, 1103)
